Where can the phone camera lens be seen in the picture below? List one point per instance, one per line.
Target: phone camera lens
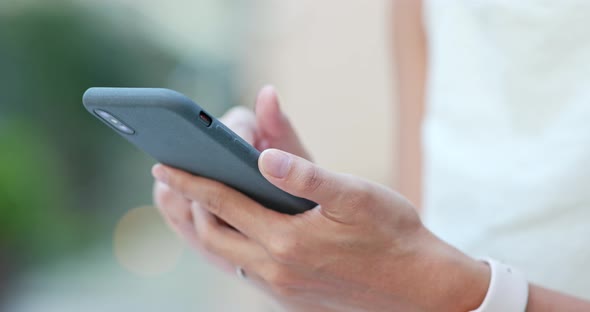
(103, 114)
(126, 129)
(114, 122)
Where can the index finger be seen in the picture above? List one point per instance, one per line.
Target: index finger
(233, 207)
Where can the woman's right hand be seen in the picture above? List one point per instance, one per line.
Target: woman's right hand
(265, 128)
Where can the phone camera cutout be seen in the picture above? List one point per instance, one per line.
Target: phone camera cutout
(205, 119)
(103, 114)
(119, 125)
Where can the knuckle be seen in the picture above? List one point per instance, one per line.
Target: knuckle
(311, 180)
(360, 196)
(360, 201)
(181, 183)
(285, 248)
(213, 201)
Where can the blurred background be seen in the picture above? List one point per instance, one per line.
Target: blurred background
(77, 232)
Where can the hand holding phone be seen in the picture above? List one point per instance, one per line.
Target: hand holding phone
(265, 127)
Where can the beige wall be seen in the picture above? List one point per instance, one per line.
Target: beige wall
(331, 62)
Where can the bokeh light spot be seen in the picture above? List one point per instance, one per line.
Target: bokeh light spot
(144, 245)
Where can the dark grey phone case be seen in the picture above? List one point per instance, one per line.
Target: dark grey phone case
(168, 127)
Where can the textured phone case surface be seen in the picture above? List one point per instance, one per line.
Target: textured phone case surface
(167, 127)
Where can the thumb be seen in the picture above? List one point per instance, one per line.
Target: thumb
(339, 195)
(274, 128)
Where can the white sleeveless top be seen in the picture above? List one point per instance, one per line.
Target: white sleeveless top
(507, 134)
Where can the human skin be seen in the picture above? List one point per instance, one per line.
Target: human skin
(267, 128)
(362, 249)
(354, 252)
(410, 54)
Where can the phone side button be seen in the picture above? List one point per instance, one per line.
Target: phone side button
(242, 147)
(224, 133)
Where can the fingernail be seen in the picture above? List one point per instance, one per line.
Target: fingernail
(276, 163)
(160, 173)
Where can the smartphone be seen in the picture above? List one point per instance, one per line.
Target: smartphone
(179, 133)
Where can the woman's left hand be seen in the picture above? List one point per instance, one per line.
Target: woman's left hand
(363, 248)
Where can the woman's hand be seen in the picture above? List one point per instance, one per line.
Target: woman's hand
(362, 249)
(269, 127)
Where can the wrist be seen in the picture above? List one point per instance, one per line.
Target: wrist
(473, 284)
(456, 281)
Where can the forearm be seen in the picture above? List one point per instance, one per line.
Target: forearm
(545, 300)
(410, 71)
